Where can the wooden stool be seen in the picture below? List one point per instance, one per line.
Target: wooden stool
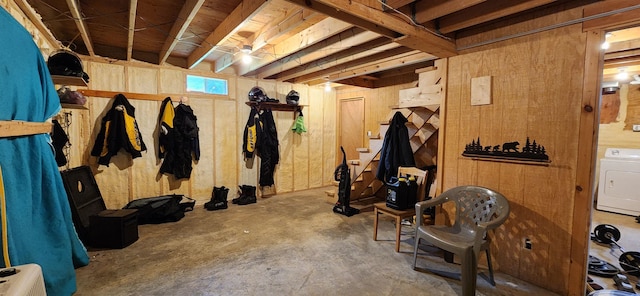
(381, 208)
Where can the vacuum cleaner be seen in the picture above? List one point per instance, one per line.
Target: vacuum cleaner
(342, 174)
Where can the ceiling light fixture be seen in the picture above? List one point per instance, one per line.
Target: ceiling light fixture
(622, 74)
(246, 48)
(246, 58)
(327, 86)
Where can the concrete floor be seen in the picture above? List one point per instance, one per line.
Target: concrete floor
(288, 244)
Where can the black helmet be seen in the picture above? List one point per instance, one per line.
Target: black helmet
(257, 94)
(293, 97)
(66, 63)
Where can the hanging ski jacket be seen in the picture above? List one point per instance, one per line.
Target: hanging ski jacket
(185, 146)
(59, 141)
(119, 131)
(396, 149)
(166, 131)
(250, 136)
(268, 148)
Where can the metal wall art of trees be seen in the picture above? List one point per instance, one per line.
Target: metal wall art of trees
(531, 151)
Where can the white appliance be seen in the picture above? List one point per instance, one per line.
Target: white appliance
(27, 281)
(619, 186)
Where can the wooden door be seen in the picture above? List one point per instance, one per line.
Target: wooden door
(351, 127)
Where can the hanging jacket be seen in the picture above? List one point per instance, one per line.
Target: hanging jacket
(396, 149)
(268, 148)
(185, 146)
(166, 131)
(250, 135)
(119, 130)
(59, 141)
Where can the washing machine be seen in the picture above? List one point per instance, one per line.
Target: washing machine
(619, 184)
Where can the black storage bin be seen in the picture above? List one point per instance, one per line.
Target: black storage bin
(88, 207)
(401, 193)
(114, 229)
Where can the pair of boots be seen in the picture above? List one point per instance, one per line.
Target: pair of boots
(247, 195)
(218, 199)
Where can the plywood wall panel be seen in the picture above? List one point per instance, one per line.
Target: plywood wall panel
(142, 80)
(107, 77)
(301, 153)
(172, 82)
(203, 175)
(225, 151)
(329, 136)
(143, 183)
(315, 134)
(284, 171)
(248, 168)
(534, 97)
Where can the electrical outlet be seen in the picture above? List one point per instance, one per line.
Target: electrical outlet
(527, 244)
(636, 127)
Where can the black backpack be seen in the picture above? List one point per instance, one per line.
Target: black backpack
(161, 209)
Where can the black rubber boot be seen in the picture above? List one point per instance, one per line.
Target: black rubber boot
(218, 199)
(241, 193)
(248, 195)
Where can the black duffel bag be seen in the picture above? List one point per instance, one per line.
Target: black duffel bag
(161, 209)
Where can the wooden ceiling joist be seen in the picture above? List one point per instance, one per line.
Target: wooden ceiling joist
(310, 36)
(379, 44)
(314, 54)
(230, 25)
(414, 58)
(484, 12)
(37, 21)
(399, 30)
(133, 6)
(392, 54)
(82, 26)
(430, 10)
(186, 15)
(272, 31)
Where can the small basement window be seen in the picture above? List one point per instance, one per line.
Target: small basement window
(213, 86)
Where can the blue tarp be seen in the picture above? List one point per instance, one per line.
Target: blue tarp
(40, 228)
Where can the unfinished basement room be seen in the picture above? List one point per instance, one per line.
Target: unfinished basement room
(320, 147)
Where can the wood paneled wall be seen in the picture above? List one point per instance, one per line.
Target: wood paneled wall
(537, 93)
(307, 160)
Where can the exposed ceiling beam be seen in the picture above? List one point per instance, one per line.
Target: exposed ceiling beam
(623, 45)
(626, 14)
(395, 4)
(431, 10)
(375, 20)
(622, 63)
(344, 67)
(82, 26)
(186, 15)
(362, 81)
(275, 29)
(621, 54)
(409, 69)
(414, 58)
(379, 44)
(308, 37)
(133, 6)
(37, 21)
(312, 54)
(230, 25)
(485, 12)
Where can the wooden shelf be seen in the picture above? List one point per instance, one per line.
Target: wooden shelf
(68, 80)
(275, 106)
(73, 106)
